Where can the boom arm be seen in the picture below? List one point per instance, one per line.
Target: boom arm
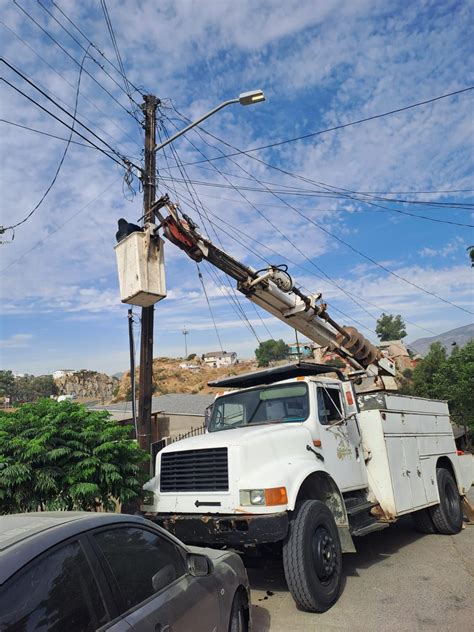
(273, 290)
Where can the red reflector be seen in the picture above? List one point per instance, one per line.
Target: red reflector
(349, 398)
(460, 452)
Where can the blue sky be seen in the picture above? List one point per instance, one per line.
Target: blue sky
(320, 64)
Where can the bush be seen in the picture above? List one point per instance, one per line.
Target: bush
(63, 456)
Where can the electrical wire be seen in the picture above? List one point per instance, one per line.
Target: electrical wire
(72, 58)
(139, 90)
(61, 121)
(45, 94)
(38, 131)
(339, 239)
(85, 97)
(209, 306)
(342, 126)
(58, 169)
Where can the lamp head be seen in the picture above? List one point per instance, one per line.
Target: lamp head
(254, 96)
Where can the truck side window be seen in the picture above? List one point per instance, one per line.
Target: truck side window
(329, 405)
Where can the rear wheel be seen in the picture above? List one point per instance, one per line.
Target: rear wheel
(447, 516)
(423, 521)
(312, 557)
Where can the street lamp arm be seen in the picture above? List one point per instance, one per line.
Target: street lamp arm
(194, 123)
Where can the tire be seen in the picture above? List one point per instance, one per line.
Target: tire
(239, 621)
(423, 521)
(447, 516)
(312, 557)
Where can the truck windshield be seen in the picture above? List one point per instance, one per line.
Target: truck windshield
(285, 403)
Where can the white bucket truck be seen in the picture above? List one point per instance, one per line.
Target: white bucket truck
(295, 457)
(303, 457)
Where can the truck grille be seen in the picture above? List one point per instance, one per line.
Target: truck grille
(194, 470)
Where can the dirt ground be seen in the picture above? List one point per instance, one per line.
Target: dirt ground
(399, 579)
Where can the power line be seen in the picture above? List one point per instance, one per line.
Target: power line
(92, 44)
(53, 181)
(38, 131)
(85, 97)
(342, 126)
(58, 228)
(339, 239)
(71, 57)
(61, 121)
(209, 306)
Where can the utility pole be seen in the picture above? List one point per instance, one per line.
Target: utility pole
(185, 333)
(146, 344)
(132, 369)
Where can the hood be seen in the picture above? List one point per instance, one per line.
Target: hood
(237, 436)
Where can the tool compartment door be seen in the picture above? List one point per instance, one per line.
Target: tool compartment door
(406, 474)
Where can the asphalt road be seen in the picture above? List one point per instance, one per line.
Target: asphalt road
(399, 580)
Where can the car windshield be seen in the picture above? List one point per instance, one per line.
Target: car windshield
(284, 403)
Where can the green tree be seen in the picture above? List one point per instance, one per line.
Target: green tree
(271, 350)
(390, 327)
(440, 376)
(30, 388)
(63, 456)
(7, 382)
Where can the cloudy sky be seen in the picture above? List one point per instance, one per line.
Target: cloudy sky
(321, 64)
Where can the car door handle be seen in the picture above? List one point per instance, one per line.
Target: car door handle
(162, 628)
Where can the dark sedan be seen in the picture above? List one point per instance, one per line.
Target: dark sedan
(74, 572)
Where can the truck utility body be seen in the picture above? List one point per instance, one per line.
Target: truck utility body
(298, 438)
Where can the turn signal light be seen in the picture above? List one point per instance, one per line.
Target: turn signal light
(276, 496)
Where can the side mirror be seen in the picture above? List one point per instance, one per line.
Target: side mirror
(208, 415)
(198, 565)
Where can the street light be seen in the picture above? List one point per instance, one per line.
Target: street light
(246, 98)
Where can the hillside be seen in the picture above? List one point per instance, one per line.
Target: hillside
(460, 335)
(168, 377)
(87, 385)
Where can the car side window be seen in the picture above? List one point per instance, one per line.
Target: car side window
(55, 593)
(329, 405)
(141, 561)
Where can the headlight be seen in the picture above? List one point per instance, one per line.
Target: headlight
(265, 497)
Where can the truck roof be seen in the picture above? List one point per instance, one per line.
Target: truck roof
(277, 374)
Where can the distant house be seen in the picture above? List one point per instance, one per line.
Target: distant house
(297, 350)
(217, 359)
(62, 373)
(397, 351)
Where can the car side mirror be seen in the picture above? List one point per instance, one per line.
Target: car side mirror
(198, 565)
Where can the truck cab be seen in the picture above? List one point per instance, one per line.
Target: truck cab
(294, 459)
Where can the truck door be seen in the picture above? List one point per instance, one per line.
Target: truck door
(340, 440)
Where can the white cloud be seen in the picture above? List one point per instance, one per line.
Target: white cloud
(16, 341)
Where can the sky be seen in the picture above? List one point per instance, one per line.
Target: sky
(321, 65)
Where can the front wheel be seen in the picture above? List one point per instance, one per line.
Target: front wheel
(238, 616)
(312, 557)
(447, 516)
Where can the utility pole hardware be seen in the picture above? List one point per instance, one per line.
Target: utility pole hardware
(146, 343)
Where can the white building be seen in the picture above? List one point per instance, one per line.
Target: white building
(62, 373)
(217, 359)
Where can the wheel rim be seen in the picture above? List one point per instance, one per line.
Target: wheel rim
(452, 499)
(324, 554)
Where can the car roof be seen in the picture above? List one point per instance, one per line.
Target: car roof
(24, 536)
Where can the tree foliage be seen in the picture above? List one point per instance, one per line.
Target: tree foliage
(390, 327)
(440, 376)
(63, 456)
(27, 388)
(271, 350)
(7, 382)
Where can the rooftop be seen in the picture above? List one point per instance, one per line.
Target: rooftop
(172, 404)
